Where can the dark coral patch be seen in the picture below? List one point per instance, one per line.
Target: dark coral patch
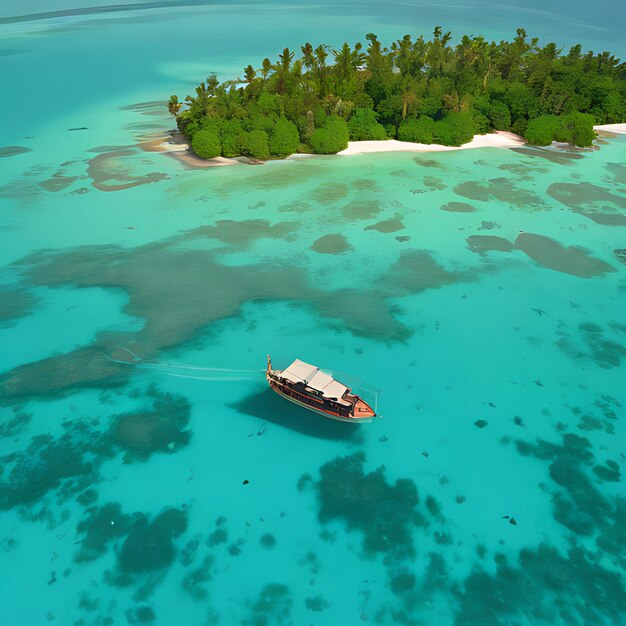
(545, 251)
(417, 270)
(182, 280)
(521, 170)
(195, 581)
(331, 244)
(605, 352)
(402, 581)
(159, 427)
(58, 374)
(610, 471)
(577, 505)
(500, 190)
(144, 545)
(141, 615)
(246, 231)
(488, 243)
(457, 207)
(596, 345)
(66, 465)
(272, 607)
(329, 193)
(58, 182)
(149, 545)
(423, 162)
(387, 226)
(217, 537)
(547, 587)
(384, 513)
(591, 201)
(295, 206)
(365, 184)
(316, 603)
(618, 171)
(101, 526)
(110, 171)
(570, 260)
(11, 426)
(366, 313)
(361, 209)
(9, 151)
(433, 183)
(15, 303)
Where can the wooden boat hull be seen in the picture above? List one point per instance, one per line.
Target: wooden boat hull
(275, 386)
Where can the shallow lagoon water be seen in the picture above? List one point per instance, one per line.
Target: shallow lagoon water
(492, 490)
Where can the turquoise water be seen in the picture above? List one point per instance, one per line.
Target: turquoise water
(480, 290)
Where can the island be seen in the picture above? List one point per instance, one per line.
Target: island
(419, 91)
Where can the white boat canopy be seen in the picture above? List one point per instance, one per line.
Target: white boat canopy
(314, 378)
(299, 372)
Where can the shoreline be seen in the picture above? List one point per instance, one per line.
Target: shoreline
(498, 139)
(176, 147)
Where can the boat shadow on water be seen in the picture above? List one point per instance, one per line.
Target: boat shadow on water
(269, 407)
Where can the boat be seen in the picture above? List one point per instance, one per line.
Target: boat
(311, 388)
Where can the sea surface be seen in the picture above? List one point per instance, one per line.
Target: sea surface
(147, 474)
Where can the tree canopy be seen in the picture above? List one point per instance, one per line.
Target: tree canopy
(413, 90)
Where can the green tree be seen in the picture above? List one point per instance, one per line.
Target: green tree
(231, 133)
(284, 139)
(332, 137)
(255, 144)
(206, 144)
(577, 129)
(521, 101)
(455, 129)
(417, 130)
(542, 130)
(363, 125)
(499, 115)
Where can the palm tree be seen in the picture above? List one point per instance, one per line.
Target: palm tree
(321, 54)
(402, 52)
(282, 70)
(250, 74)
(199, 102)
(308, 59)
(438, 52)
(173, 105)
(266, 68)
(343, 62)
(212, 84)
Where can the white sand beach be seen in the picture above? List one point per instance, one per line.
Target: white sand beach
(499, 139)
(618, 129)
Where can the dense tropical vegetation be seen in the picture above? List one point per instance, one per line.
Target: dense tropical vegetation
(415, 90)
